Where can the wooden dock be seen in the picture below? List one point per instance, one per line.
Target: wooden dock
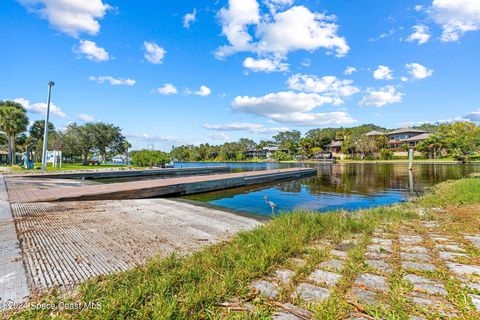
(112, 174)
(159, 187)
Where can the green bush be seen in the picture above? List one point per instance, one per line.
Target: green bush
(281, 156)
(150, 158)
(386, 154)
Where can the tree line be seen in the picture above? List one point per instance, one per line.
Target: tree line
(77, 142)
(459, 140)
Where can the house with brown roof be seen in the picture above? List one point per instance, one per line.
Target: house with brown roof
(334, 147)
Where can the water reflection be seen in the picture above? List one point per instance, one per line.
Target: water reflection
(346, 186)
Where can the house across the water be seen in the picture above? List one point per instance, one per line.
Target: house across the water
(410, 137)
(334, 147)
(264, 153)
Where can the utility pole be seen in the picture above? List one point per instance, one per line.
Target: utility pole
(45, 131)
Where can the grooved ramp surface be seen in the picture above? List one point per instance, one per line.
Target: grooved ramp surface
(160, 187)
(64, 244)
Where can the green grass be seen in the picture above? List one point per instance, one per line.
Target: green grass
(192, 287)
(460, 192)
(68, 167)
(403, 160)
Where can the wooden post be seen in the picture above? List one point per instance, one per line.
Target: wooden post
(410, 159)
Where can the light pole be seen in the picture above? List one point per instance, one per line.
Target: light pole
(45, 132)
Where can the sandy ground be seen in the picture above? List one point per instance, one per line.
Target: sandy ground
(65, 243)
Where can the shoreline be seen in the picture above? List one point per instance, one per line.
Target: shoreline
(208, 280)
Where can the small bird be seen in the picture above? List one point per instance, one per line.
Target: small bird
(270, 203)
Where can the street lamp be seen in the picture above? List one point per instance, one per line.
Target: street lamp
(45, 132)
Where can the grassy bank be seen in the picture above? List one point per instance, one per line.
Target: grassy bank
(192, 287)
(69, 167)
(427, 161)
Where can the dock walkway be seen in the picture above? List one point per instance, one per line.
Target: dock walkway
(160, 187)
(111, 174)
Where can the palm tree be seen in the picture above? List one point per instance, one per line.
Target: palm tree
(13, 121)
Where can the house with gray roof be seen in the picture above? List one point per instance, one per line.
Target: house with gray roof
(408, 136)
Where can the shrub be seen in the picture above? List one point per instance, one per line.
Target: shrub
(150, 158)
(386, 154)
(281, 156)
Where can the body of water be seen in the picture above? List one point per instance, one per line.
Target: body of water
(337, 186)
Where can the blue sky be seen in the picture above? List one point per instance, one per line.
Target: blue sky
(176, 72)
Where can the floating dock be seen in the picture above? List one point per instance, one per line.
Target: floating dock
(112, 174)
(157, 188)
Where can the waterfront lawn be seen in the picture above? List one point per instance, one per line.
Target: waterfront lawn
(192, 287)
(70, 167)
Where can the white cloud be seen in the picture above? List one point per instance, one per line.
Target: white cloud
(113, 81)
(41, 107)
(202, 92)
(264, 65)
(72, 17)
(421, 34)
(418, 71)
(189, 18)
(456, 17)
(219, 136)
(276, 33)
(316, 119)
(350, 70)
(300, 29)
(381, 97)
(418, 7)
(327, 85)
(243, 126)
(384, 35)
(235, 19)
(167, 89)
(473, 116)
(153, 52)
(383, 73)
(275, 5)
(291, 107)
(306, 63)
(85, 117)
(92, 52)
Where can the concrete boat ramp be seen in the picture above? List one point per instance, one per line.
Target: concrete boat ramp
(46, 243)
(157, 188)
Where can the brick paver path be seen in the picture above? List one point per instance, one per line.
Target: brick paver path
(416, 266)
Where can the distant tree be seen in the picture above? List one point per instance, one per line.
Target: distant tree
(13, 121)
(288, 140)
(322, 137)
(460, 138)
(78, 141)
(181, 153)
(307, 145)
(35, 135)
(125, 147)
(263, 143)
(106, 137)
(431, 147)
(348, 145)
